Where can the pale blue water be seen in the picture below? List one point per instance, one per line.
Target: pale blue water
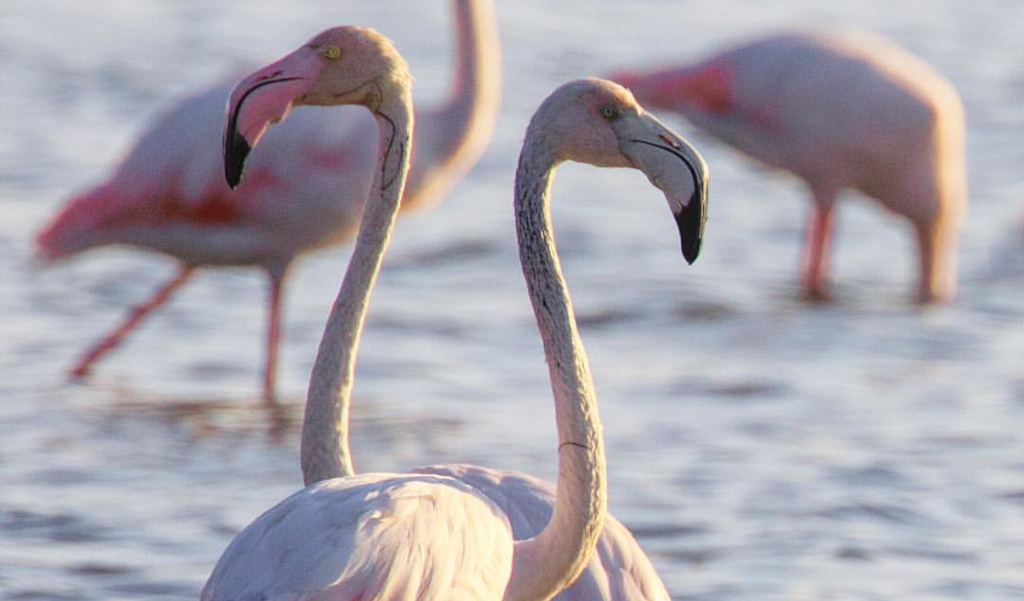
(759, 448)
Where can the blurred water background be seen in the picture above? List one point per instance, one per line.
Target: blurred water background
(760, 448)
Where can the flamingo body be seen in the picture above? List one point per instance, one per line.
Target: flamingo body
(304, 191)
(371, 536)
(374, 536)
(839, 111)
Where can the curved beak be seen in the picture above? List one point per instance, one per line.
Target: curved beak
(677, 169)
(260, 99)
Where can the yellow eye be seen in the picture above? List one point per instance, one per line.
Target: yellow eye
(332, 52)
(609, 112)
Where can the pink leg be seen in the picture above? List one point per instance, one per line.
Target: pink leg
(814, 265)
(937, 282)
(138, 313)
(277, 276)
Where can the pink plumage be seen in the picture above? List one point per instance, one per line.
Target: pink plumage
(839, 111)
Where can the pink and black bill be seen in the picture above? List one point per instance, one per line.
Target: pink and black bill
(690, 216)
(236, 146)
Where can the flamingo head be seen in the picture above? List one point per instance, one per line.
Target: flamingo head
(599, 122)
(341, 65)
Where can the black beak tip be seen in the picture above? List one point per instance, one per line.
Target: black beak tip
(690, 221)
(691, 252)
(236, 149)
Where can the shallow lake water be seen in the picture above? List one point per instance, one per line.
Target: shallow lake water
(760, 448)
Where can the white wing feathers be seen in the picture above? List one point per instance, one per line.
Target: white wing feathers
(443, 533)
(373, 536)
(618, 570)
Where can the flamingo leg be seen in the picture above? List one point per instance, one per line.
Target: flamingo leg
(277, 275)
(814, 264)
(935, 283)
(137, 314)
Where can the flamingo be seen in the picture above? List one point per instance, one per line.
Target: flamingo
(839, 111)
(304, 191)
(429, 535)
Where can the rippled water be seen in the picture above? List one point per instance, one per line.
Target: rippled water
(758, 447)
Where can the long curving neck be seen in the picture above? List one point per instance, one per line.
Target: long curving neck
(450, 138)
(325, 451)
(548, 562)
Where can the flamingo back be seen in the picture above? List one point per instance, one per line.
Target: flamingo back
(617, 571)
(369, 537)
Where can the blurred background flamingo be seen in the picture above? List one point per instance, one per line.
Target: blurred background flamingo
(304, 191)
(839, 111)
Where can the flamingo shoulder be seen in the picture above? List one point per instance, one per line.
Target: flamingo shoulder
(618, 570)
(372, 536)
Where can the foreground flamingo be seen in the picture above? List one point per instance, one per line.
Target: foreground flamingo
(425, 535)
(305, 190)
(839, 112)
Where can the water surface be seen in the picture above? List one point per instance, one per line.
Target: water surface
(759, 448)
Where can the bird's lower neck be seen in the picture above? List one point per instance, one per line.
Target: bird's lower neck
(325, 449)
(551, 560)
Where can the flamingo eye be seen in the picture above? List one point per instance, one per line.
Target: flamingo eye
(332, 52)
(609, 112)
